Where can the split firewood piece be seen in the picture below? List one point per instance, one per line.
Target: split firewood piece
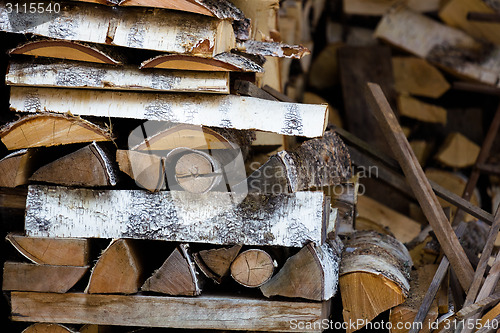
(223, 62)
(68, 74)
(272, 49)
(65, 49)
(49, 129)
(146, 169)
(413, 108)
(416, 76)
(196, 109)
(422, 150)
(16, 168)
(90, 166)
(52, 251)
(378, 8)
(451, 49)
(167, 31)
(254, 219)
(458, 151)
(406, 312)
(315, 164)
(312, 273)
(222, 9)
(374, 275)
(47, 328)
(402, 227)
(454, 13)
(177, 276)
(42, 278)
(216, 263)
(252, 268)
(118, 270)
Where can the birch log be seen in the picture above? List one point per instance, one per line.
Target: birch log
(157, 29)
(449, 48)
(49, 129)
(209, 110)
(72, 74)
(214, 217)
(311, 274)
(203, 312)
(374, 276)
(272, 49)
(252, 268)
(223, 62)
(64, 49)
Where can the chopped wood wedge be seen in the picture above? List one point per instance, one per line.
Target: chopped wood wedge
(252, 268)
(118, 270)
(146, 169)
(65, 49)
(49, 129)
(413, 108)
(374, 276)
(281, 219)
(458, 151)
(216, 263)
(166, 31)
(69, 74)
(312, 273)
(197, 109)
(47, 328)
(223, 62)
(177, 276)
(90, 166)
(416, 76)
(52, 251)
(42, 278)
(205, 311)
(16, 168)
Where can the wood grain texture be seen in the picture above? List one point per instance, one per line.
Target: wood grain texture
(213, 217)
(252, 268)
(197, 109)
(420, 185)
(457, 151)
(50, 129)
(166, 31)
(16, 168)
(42, 278)
(414, 108)
(312, 273)
(72, 74)
(52, 251)
(203, 312)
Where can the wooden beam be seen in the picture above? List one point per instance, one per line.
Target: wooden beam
(203, 312)
(71, 74)
(420, 185)
(197, 109)
(290, 219)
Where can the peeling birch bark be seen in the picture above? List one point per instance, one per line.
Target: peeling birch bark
(214, 217)
(272, 49)
(67, 74)
(197, 109)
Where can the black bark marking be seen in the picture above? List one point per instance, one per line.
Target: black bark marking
(293, 121)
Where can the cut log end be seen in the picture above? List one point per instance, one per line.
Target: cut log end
(252, 268)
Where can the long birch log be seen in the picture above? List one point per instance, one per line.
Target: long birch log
(157, 29)
(214, 217)
(203, 312)
(72, 74)
(209, 110)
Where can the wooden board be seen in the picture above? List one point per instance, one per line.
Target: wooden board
(52, 251)
(157, 29)
(196, 109)
(282, 219)
(72, 74)
(50, 129)
(42, 278)
(203, 312)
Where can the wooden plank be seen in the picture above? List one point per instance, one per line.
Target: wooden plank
(256, 219)
(166, 31)
(202, 312)
(52, 251)
(72, 74)
(42, 278)
(196, 109)
(420, 185)
(359, 65)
